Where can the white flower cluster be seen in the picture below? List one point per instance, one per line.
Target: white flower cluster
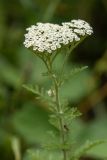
(47, 37)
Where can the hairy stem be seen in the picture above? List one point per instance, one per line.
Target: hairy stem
(59, 108)
(62, 132)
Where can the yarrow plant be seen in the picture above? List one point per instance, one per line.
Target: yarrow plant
(46, 40)
(46, 37)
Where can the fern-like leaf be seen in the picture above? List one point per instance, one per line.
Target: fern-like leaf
(74, 72)
(85, 148)
(39, 92)
(70, 114)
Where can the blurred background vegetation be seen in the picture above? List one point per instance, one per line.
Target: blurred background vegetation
(23, 120)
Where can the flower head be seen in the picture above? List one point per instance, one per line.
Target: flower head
(47, 37)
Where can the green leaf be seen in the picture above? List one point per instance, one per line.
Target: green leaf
(70, 114)
(74, 71)
(54, 120)
(38, 91)
(41, 95)
(85, 148)
(96, 130)
(34, 89)
(56, 146)
(78, 86)
(41, 154)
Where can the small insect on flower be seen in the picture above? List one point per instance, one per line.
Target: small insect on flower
(47, 37)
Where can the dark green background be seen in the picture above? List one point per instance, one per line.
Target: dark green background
(20, 116)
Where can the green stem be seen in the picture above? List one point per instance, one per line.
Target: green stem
(59, 109)
(62, 132)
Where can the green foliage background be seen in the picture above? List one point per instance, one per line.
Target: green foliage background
(23, 119)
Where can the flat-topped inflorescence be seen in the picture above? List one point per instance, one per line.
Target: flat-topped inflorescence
(47, 37)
